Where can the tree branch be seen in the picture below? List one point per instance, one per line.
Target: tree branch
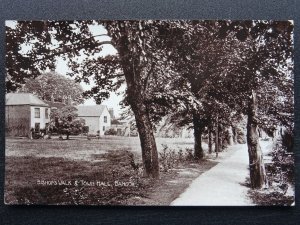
(59, 51)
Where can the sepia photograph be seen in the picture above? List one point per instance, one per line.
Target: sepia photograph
(149, 112)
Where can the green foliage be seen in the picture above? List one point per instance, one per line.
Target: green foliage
(115, 121)
(264, 198)
(66, 121)
(282, 168)
(281, 177)
(85, 129)
(39, 37)
(170, 158)
(111, 131)
(199, 72)
(54, 87)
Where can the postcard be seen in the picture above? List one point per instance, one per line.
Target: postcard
(149, 112)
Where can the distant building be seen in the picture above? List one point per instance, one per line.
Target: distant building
(97, 118)
(24, 111)
(122, 127)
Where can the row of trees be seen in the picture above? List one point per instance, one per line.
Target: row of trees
(204, 73)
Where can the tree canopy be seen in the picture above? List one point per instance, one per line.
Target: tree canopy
(204, 73)
(66, 121)
(54, 87)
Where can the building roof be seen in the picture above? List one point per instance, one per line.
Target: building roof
(23, 99)
(90, 110)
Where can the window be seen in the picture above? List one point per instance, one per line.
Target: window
(105, 119)
(46, 113)
(103, 128)
(37, 113)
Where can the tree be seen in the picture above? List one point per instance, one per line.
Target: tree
(257, 70)
(135, 41)
(201, 59)
(204, 69)
(32, 46)
(261, 57)
(263, 61)
(54, 87)
(66, 121)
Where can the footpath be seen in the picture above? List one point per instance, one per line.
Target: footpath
(223, 185)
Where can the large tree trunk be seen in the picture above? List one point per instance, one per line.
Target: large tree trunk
(148, 145)
(145, 129)
(257, 168)
(136, 86)
(198, 129)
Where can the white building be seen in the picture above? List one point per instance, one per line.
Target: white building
(24, 111)
(97, 118)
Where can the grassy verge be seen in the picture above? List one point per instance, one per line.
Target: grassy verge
(112, 178)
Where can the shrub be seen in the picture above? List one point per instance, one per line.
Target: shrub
(189, 156)
(85, 129)
(282, 169)
(170, 158)
(280, 176)
(111, 131)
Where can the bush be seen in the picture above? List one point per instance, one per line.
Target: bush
(280, 175)
(134, 133)
(85, 129)
(282, 169)
(115, 121)
(189, 156)
(111, 131)
(170, 159)
(274, 198)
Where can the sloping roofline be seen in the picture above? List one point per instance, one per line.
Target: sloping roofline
(90, 110)
(23, 99)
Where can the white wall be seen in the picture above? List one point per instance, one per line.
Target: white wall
(92, 123)
(104, 126)
(96, 123)
(42, 120)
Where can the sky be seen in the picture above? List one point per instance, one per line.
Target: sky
(114, 99)
(62, 67)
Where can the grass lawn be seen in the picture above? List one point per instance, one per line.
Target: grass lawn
(93, 172)
(83, 149)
